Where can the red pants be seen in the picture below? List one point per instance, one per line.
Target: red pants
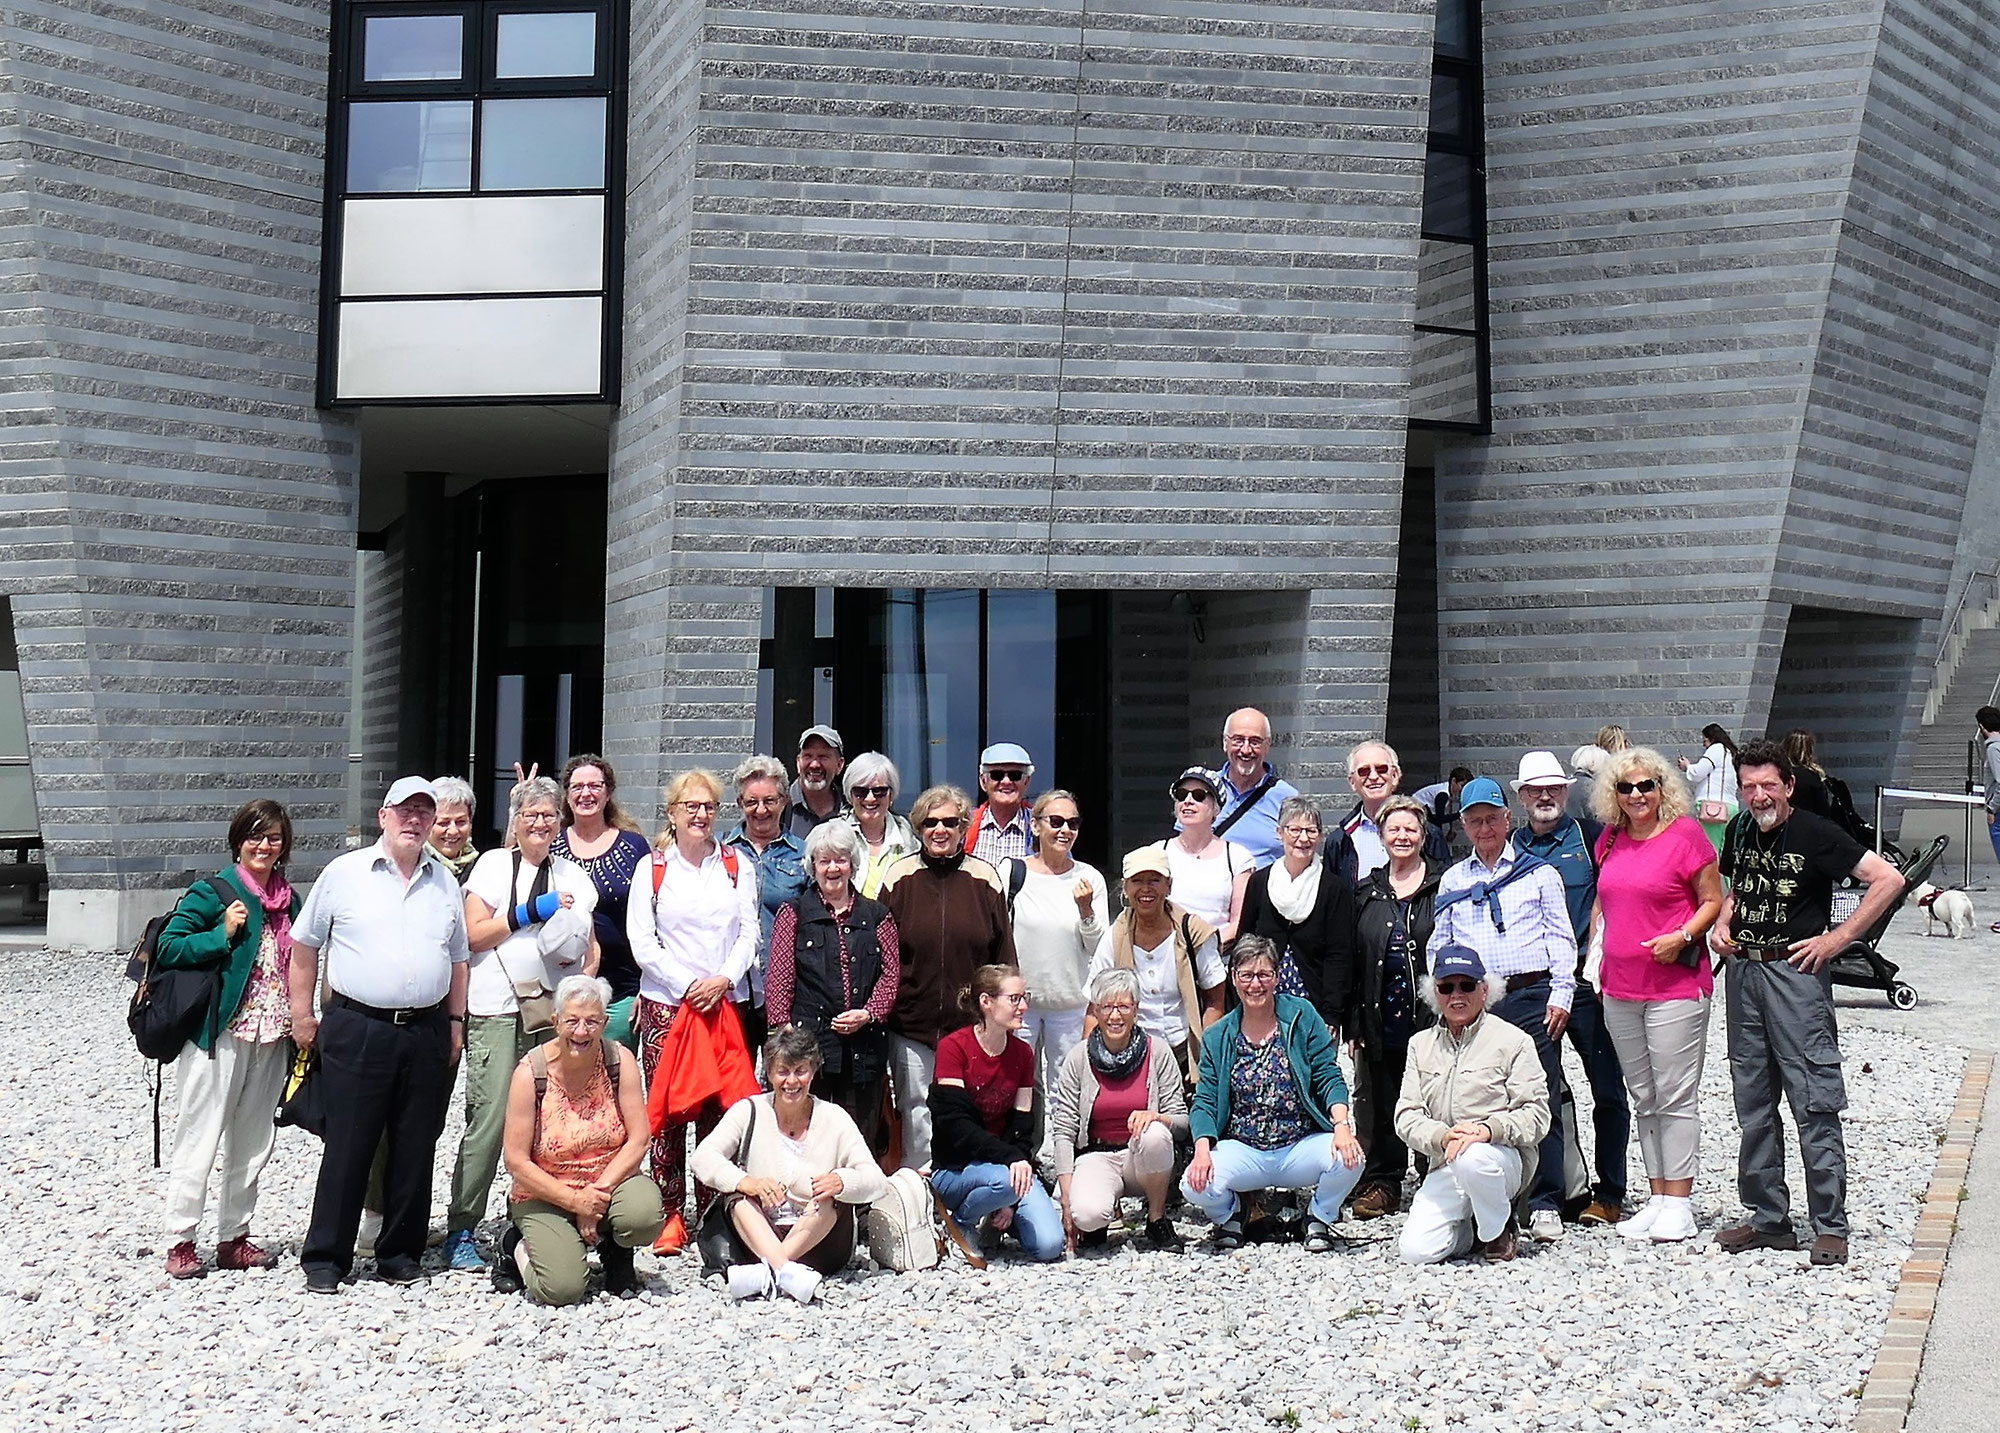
(669, 1149)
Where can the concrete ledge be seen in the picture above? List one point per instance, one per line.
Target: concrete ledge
(103, 919)
(1892, 1383)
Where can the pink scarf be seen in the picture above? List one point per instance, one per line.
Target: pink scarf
(277, 904)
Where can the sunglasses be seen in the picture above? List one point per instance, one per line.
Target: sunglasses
(1644, 788)
(878, 793)
(1457, 987)
(1371, 771)
(1063, 823)
(938, 823)
(1195, 794)
(1009, 773)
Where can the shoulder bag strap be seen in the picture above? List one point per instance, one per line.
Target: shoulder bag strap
(1251, 798)
(538, 1066)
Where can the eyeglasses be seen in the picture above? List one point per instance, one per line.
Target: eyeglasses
(1194, 794)
(939, 823)
(873, 793)
(539, 818)
(1297, 831)
(760, 803)
(1021, 999)
(579, 787)
(269, 838)
(1117, 1007)
(697, 808)
(1371, 771)
(1007, 773)
(1644, 788)
(1457, 987)
(1255, 977)
(1253, 742)
(1063, 823)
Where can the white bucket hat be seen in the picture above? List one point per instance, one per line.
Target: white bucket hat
(1540, 768)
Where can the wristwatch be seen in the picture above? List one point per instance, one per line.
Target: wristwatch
(456, 1019)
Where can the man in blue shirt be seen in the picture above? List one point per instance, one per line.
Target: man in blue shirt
(1250, 787)
(1569, 843)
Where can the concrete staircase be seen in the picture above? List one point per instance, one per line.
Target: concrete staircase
(1967, 671)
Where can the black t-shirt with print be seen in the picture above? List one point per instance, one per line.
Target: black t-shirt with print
(1783, 880)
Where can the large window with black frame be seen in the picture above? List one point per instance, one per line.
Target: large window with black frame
(1448, 386)
(474, 153)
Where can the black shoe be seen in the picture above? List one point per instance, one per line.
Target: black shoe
(400, 1271)
(507, 1274)
(1094, 1239)
(322, 1281)
(1162, 1235)
(1229, 1234)
(620, 1278)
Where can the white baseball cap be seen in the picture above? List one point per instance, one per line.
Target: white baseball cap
(407, 787)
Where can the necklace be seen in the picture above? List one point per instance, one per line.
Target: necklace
(1766, 847)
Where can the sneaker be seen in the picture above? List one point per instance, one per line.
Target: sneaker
(184, 1262)
(673, 1235)
(1501, 1248)
(371, 1230)
(798, 1281)
(1676, 1222)
(509, 1276)
(1319, 1236)
(1376, 1201)
(1739, 1238)
(1601, 1211)
(1828, 1249)
(461, 1254)
(1162, 1235)
(750, 1281)
(1545, 1226)
(960, 1240)
(1640, 1226)
(1229, 1234)
(322, 1281)
(240, 1253)
(400, 1271)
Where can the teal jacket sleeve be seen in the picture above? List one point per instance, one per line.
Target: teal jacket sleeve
(1322, 1057)
(193, 936)
(1209, 1112)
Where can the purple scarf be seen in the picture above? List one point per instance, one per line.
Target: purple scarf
(277, 903)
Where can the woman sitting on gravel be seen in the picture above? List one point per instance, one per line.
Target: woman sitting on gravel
(1270, 1111)
(981, 1105)
(1114, 1112)
(241, 921)
(576, 1135)
(792, 1168)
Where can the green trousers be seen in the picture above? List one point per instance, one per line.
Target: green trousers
(494, 1045)
(558, 1260)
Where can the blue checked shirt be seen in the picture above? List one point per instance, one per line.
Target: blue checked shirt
(1534, 912)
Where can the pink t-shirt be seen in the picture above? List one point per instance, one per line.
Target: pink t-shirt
(1117, 1101)
(1647, 888)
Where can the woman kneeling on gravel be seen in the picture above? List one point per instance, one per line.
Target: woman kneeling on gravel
(576, 1135)
(791, 1169)
(1271, 1109)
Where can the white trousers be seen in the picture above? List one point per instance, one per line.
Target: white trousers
(226, 1106)
(1470, 1196)
(1051, 1034)
(911, 1067)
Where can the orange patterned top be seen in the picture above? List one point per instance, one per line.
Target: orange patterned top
(581, 1136)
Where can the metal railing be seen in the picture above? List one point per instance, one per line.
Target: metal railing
(1964, 593)
(1974, 800)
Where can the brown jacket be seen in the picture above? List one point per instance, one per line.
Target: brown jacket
(951, 918)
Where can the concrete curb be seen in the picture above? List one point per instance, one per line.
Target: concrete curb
(1892, 1383)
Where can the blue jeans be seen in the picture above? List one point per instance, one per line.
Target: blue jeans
(1309, 1163)
(977, 1190)
(1526, 1009)
(1994, 831)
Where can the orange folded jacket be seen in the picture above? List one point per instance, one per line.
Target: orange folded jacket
(702, 1058)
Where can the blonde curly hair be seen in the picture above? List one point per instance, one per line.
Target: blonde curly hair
(1675, 799)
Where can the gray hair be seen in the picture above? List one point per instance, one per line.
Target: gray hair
(533, 791)
(871, 768)
(1252, 947)
(1293, 807)
(1112, 980)
(791, 1045)
(1371, 744)
(1496, 989)
(760, 768)
(840, 836)
(590, 989)
(455, 791)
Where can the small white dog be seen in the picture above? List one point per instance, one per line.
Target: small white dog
(1951, 910)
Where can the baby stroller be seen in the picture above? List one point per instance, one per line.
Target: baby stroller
(1862, 964)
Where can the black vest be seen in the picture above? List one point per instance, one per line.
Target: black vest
(816, 988)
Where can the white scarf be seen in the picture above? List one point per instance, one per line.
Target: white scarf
(1293, 897)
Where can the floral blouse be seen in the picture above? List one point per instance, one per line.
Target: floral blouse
(265, 1016)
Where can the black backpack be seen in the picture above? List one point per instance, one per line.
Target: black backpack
(171, 1006)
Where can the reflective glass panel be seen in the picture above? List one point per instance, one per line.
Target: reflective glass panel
(1444, 378)
(930, 684)
(1448, 195)
(542, 144)
(401, 146)
(1450, 110)
(1455, 28)
(413, 47)
(531, 46)
(1021, 671)
(1446, 295)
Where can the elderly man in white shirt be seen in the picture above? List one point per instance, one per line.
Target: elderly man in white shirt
(391, 921)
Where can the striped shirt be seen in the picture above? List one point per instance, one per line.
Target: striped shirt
(1533, 911)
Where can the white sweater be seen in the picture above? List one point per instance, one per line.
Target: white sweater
(1052, 944)
(1713, 777)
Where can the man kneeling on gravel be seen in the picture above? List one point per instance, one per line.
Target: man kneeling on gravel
(1475, 1100)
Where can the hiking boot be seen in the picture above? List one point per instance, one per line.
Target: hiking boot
(1376, 1201)
(240, 1253)
(673, 1235)
(621, 1279)
(184, 1262)
(1601, 1211)
(1828, 1249)
(1162, 1235)
(1740, 1238)
(507, 1265)
(1500, 1249)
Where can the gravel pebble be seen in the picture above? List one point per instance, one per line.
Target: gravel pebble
(1590, 1333)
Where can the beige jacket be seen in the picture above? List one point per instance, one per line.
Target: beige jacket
(1074, 1096)
(832, 1146)
(1490, 1074)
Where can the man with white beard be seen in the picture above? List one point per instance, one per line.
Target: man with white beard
(1569, 843)
(815, 797)
(1782, 865)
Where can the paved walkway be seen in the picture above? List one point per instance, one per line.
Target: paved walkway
(1958, 984)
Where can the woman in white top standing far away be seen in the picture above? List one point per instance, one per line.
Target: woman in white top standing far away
(1713, 777)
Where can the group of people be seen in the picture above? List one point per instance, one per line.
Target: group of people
(954, 992)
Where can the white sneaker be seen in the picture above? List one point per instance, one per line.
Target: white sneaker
(1545, 1226)
(371, 1230)
(1640, 1225)
(750, 1281)
(798, 1281)
(1676, 1222)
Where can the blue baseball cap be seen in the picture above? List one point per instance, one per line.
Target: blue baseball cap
(1457, 960)
(1481, 791)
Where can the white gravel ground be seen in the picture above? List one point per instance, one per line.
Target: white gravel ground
(1590, 1333)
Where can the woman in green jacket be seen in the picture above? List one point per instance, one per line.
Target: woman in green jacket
(230, 1080)
(1270, 1111)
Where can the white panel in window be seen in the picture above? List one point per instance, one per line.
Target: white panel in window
(490, 244)
(470, 348)
(534, 44)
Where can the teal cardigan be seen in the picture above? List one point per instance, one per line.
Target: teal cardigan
(192, 938)
(1315, 1067)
